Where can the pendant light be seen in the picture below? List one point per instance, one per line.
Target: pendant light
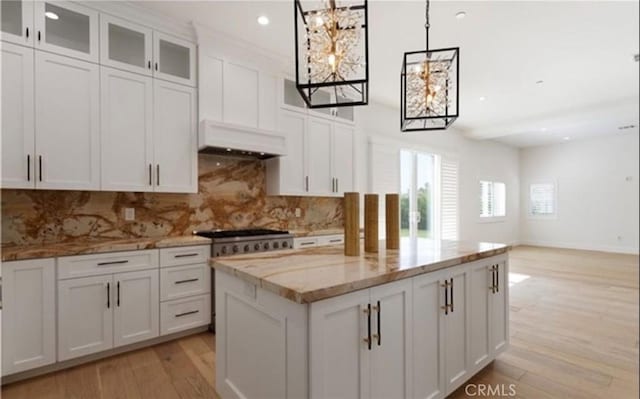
(429, 86)
(332, 57)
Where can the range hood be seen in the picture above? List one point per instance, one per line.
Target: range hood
(230, 139)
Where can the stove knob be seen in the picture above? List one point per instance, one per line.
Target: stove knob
(246, 248)
(235, 249)
(224, 250)
(256, 247)
(285, 244)
(276, 245)
(266, 245)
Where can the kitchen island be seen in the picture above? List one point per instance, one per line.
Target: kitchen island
(313, 323)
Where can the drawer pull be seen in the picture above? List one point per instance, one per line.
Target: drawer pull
(307, 243)
(187, 313)
(336, 240)
(115, 262)
(191, 280)
(184, 255)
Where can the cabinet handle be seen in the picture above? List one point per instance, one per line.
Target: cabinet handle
(451, 294)
(446, 297)
(157, 174)
(337, 185)
(187, 313)
(28, 164)
(185, 255)
(27, 32)
(108, 295)
(307, 243)
(115, 262)
(368, 338)
(492, 287)
(191, 280)
(39, 36)
(149, 64)
(40, 166)
(156, 66)
(118, 296)
(336, 240)
(306, 183)
(150, 175)
(498, 278)
(379, 335)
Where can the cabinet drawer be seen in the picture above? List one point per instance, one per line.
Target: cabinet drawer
(183, 281)
(182, 314)
(331, 240)
(184, 255)
(305, 242)
(113, 262)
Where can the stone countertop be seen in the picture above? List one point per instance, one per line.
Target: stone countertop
(312, 274)
(84, 247)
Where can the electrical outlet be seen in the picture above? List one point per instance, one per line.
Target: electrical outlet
(129, 214)
(298, 212)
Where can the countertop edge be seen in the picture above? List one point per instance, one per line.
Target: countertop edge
(308, 297)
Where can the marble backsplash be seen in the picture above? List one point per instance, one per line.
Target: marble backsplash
(231, 195)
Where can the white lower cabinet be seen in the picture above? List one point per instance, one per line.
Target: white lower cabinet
(499, 308)
(28, 315)
(183, 314)
(456, 329)
(101, 312)
(379, 319)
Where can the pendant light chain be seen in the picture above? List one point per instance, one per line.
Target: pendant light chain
(427, 25)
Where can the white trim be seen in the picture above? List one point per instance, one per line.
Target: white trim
(584, 247)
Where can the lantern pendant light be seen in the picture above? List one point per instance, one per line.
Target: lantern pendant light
(429, 87)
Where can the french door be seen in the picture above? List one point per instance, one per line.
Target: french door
(418, 186)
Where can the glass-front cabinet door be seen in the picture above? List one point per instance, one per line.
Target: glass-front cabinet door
(125, 45)
(16, 23)
(68, 29)
(175, 59)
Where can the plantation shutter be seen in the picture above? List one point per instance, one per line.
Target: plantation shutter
(486, 199)
(542, 198)
(449, 199)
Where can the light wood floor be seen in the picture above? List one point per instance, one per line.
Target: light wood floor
(574, 334)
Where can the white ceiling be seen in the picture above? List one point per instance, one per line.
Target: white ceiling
(583, 51)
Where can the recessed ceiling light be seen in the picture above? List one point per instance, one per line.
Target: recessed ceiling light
(566, 138)
(263, 20)
(461, 14)
(482, 98)
(51, 15)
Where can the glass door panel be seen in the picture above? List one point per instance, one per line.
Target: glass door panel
(16, 22)
(417, 208)
(125, 45)
(424, 194)
(12, 17)
(175, 59)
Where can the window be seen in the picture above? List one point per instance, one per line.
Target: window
(542, 199)
(492, 199)
(417, 175)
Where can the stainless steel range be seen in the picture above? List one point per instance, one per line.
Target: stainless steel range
(236, 242)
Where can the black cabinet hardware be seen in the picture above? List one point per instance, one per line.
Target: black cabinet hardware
(379, 324)
(39, 36)
(157, 174)
(156, 66)
(335, 240)
(150, 175)
(40, 166)
(187, 313)
(108, 295)
(493, 279)
(27, 33)
(184, 255)
(451, 286)
(306, 183)
(498, 278)
(115, 262)
(28, 165)
(191, 280)
(446, 297)
(337, 185)
(149, 64)
(118, 296)
(368, 326)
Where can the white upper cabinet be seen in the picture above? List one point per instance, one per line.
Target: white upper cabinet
(67, 123)
(18, 141)
(125, 45)
(16, 24)
(175, 59)
(126, 131)
(67, 28)
(318, 154)
(286, 174)
(175, 138)
(342, 165)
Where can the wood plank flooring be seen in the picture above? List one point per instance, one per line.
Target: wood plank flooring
(574, 334)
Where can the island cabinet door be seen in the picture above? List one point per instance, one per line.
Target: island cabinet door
(340, 346)
(480, 292)
(456, 327)
(428, 336)
(391, 335)
(499, 307)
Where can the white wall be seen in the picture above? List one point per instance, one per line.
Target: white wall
(597, 194)
(477, 159)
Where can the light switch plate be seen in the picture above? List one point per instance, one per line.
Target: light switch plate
(129, 214)
(298, 212)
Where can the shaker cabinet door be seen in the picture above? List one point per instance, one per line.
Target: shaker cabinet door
(125, 45)
(175, 59)
(16, 24)
(318, 155)
(480, 292)
(137, 307)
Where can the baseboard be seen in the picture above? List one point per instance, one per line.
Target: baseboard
(97, 356)
(599, 248)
